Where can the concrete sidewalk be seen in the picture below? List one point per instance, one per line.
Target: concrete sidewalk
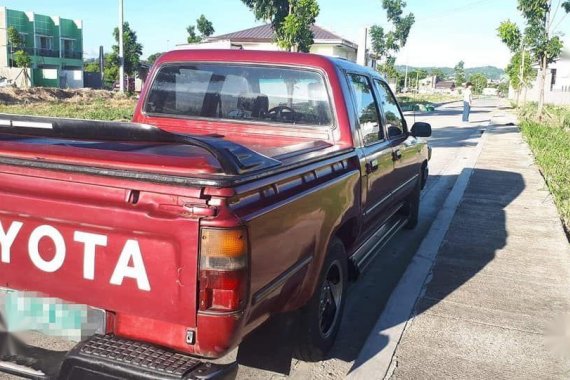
(496, 303)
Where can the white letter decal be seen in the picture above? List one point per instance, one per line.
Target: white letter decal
(33, 248)
(7, 239)
(131, 250)
(90, 241)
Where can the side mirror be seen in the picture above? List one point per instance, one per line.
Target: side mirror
(420, 129)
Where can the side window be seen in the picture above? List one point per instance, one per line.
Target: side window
(394, 119)
(366, 109)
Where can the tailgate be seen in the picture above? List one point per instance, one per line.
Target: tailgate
(109, 247)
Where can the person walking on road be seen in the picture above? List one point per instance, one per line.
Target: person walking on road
(467, 101)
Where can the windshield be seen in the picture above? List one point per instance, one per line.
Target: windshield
(240, 92)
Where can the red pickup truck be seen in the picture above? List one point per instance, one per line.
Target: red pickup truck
(247, 184)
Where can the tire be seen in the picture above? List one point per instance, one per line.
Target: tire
(320, 318)
(425, 174)
(413, 206)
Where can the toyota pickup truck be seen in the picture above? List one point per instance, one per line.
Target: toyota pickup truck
(247, 184)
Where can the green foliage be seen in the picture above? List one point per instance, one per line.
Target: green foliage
(94, 109)
(296, 29)
(111, 69)
(386, 44)
(193, 38)
(513, 71)
(91, 67)
(491, 72)
(503, 89)
(19, 55)
(273, 11)
(153, 57)
(479, 82)
(438, 73)
(132, 52)
(459, 71)
(22, 59)
(511, 35)
(14, 38)
(542, 41)
(290, 19)
(205, 28)
(550, 143)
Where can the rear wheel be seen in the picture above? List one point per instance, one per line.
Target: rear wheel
(321, 317)
(413, 206)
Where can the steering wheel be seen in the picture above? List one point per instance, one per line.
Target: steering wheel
(276, 113)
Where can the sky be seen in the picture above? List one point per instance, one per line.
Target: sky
(445, 32)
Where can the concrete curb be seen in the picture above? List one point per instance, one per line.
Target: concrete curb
(376, 355)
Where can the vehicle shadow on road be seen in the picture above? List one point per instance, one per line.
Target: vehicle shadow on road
(477, 232)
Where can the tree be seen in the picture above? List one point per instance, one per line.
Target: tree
(541, 36)
(438, 73)
(479, 82)
(205, 28)
(386, 44)
(291, 20)
(91, 67)
(19, 55)
(520, 72)
(511, 36)
(459, 73)
(296, 30)
(153, 57)
(132, 51)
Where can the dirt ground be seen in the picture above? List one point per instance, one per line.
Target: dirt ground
(14, 95)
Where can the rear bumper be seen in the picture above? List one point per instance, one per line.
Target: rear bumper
(110, 357)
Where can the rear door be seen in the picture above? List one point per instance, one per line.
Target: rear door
(404, 147)
(379, 169)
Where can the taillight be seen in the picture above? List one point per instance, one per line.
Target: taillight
(223, 269)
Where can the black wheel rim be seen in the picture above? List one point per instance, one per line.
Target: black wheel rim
(330, 299)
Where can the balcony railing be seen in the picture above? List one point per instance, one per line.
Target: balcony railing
(72, 54)
(49, 52)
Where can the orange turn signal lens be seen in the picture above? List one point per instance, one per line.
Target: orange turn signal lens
(223, 249)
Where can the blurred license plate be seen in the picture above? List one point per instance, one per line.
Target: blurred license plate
(28, 311)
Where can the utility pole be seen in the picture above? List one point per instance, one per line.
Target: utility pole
(121, 49)
(406, 78)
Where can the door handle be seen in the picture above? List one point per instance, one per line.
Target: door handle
(372, 166)
(397, 155)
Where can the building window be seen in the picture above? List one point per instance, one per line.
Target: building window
(44, 42)
(553, 79)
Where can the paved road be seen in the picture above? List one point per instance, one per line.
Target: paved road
(269, 357)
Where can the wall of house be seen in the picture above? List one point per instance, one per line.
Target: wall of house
(16, 75)
(71, 78)
(556, 91)
(3, 38)
(46, 61)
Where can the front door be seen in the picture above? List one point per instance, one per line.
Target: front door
(404, 146)
(379, 168)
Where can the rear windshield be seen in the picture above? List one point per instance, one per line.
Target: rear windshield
(240, 92)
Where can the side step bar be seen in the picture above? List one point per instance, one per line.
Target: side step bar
(365, 254)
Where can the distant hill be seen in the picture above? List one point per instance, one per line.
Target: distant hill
(490, 72)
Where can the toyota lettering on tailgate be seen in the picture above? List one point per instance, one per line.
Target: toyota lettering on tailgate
(130, 263)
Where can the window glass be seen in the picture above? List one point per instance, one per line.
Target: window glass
(394, 119)
(242, 92)
(367, 110)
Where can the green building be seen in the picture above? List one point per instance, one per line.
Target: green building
(54, 44)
